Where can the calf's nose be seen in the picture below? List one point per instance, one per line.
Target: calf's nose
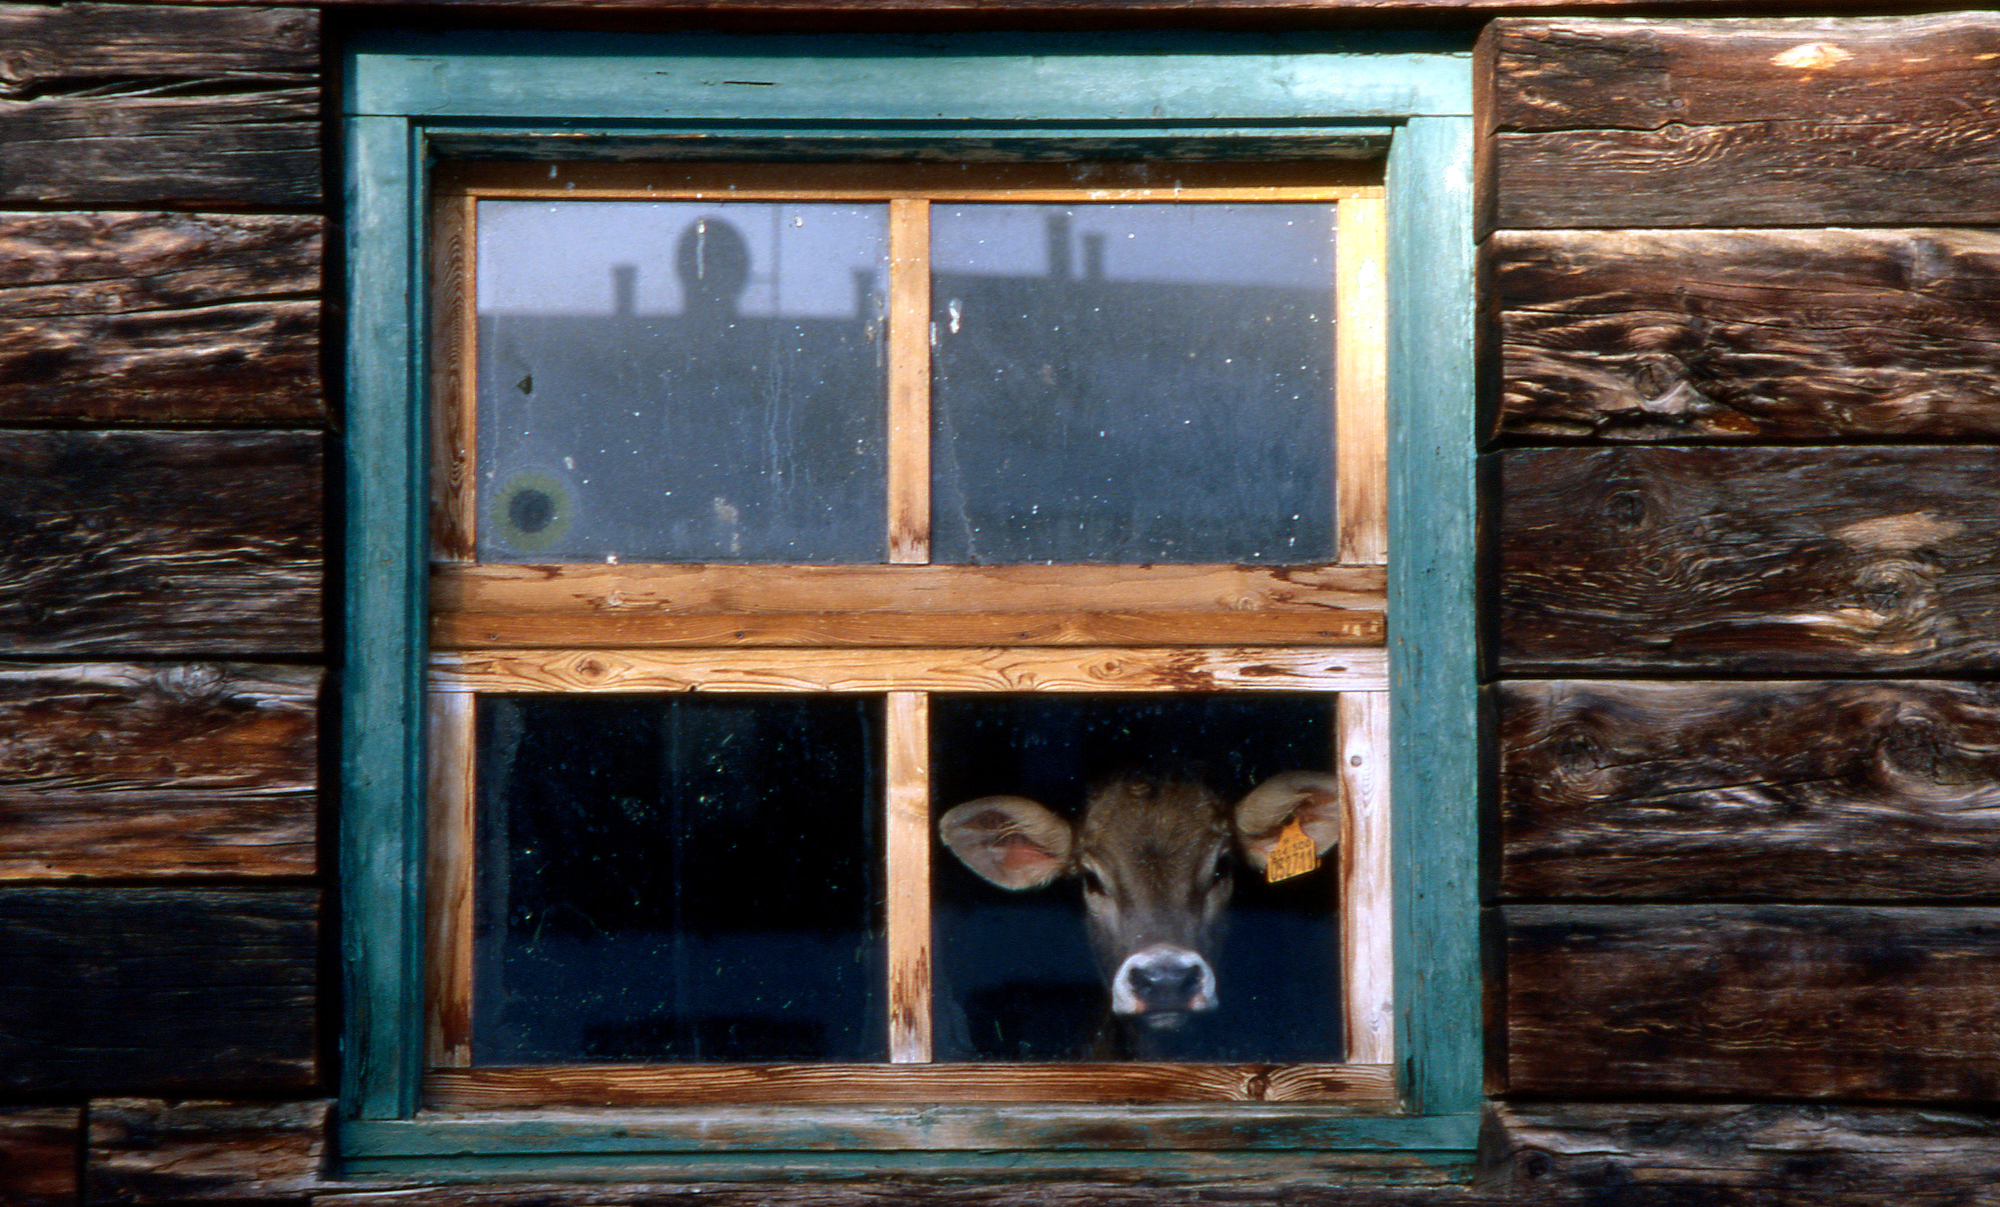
(1163, 979)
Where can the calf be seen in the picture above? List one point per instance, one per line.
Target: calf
(1156, 856)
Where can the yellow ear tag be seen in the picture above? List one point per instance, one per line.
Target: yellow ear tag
(1293, 854)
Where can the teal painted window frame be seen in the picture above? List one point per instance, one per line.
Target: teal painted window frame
(410, 99)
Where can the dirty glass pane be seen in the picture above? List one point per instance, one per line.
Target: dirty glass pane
(1016, 977)
(1132, 383)
(688, 879)
(681, 381)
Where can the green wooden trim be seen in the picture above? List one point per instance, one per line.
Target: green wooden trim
(1257, 1171)
(382, 710)
(1433, 616)
(900, 96)
(999, 1128)
(1099, 79)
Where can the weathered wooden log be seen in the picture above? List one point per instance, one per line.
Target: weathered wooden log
(1792, 560)
(1753, 1001)
(181, 769)
(158, 991)
(1739, 1156)
(150, 104)
(159, 318)
(38, 1155)
(1743, 123)
(1732, 334)
(196, 543)
(148, 1151)
(1743, 791)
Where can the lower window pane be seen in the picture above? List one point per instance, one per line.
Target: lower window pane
(681, 879)
(1020, 975)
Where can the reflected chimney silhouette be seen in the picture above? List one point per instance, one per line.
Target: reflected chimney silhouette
(1093, 256)
(712, 261)
(624, 290)
(1060, 265)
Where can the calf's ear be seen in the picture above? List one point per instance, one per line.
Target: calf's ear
(1313, 797)
(1010, 841)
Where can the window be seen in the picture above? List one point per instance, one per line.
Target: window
(996, 459)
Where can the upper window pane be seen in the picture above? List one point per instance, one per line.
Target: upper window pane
(1133, 383)
(681, 381)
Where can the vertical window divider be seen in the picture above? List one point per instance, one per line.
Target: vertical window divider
(908, 842)
(448, 856)
(454, 354)
(1361, 380)
(909, 381)
(1367, 932)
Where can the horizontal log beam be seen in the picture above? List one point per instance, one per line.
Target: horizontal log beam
(1741, 334)
(146, 104)
(1771, 123)
(1779, 791)
(1737, 1155)
(145, 1150)
(194, 543)
(182, 769)
(1752, 1001)
(158, 991)
(160, 318)
(1704, 560)
(38, 1155)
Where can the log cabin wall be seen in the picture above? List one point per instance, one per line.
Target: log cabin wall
(1741, 297)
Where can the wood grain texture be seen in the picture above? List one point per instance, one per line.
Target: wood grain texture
(39, 1147)
(743, 1085)
(454, 401)
(145, 1150)
(1709, 123)
(182, 769)
(907, 868)
(450, 812)
(1361, 380)
(1738, 1155)
(1820, 560)
(147, 104)
(738, 589)
(641, 628)
(1367, 903)
(909, 344)
(158, 991)
(917, 670)
(1735, 334)
(1746, 791)
(160, 318)
(1715, 1001)
(204, 544)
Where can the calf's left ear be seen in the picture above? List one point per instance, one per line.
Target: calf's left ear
(1010, 841)
(1313, 797)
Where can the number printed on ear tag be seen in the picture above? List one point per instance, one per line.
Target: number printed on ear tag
(1293, 854)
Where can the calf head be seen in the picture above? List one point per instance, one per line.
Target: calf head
(1156, 858)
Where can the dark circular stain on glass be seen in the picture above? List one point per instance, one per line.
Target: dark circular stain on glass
(531, 510)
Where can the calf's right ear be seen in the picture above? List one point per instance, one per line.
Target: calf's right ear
(1010, 841)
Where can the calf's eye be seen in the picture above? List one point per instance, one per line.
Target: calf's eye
(1091, 883)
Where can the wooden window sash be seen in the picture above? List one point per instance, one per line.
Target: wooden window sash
(967, 628)
(1360, 472)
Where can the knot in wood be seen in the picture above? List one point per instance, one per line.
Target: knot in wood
(1627, 509)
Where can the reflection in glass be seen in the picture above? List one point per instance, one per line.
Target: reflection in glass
(684, 879)
(1015, 976)
(1132, 383)
(681, 381)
